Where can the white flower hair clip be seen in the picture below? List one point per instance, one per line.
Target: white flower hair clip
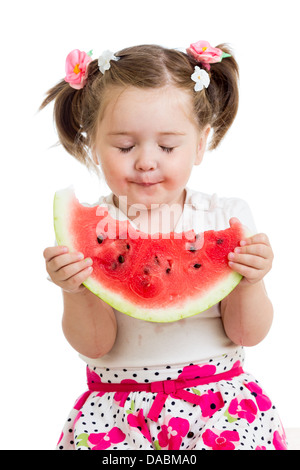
(104, 60)
(201, 78)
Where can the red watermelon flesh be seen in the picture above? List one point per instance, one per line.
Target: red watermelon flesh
(161, 277)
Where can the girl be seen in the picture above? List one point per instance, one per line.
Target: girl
(144, 116)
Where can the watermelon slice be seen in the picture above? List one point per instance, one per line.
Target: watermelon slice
(158, 278)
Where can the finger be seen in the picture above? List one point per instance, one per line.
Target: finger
(246, 271)
(233, 221)
(73, 283)
(71, 270)
(62, 260)
(252, 261)
(52, 251)
(260, 238)
(261, 250)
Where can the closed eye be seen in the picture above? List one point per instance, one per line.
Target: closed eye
(167, 149)
(127, 149)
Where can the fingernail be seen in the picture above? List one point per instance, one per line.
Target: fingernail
(237, 250)
(88, 260)
(243, 243)
(231, 255)
(80, 255)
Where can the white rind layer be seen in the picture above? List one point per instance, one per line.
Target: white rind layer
(62, 208)
(62, 203)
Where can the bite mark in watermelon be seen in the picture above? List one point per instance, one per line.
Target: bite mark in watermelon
(152, 278)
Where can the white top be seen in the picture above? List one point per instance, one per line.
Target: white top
(141, 343)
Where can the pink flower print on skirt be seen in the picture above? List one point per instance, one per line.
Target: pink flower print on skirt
(171, 434)
(102, 441)
(220, 440)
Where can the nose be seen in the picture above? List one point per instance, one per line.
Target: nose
(145, 161)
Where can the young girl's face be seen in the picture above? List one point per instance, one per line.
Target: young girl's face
(147, 143)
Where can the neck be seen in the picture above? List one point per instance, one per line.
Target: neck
(159, 218)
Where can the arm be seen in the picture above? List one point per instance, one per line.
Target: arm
(247, 312)
(89, 324)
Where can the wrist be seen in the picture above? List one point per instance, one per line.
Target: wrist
(81, 291)
(246, 286)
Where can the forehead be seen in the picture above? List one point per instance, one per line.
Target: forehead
(168, 109)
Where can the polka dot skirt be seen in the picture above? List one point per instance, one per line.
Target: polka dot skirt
(231, 414)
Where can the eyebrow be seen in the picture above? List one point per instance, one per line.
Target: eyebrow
(159, 133)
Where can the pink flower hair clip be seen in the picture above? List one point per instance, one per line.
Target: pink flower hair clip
(205, 54)
(77, 63)
(76, 68)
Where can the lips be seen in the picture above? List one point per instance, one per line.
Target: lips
(146, 183)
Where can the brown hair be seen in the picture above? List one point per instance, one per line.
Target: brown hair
(77, 112)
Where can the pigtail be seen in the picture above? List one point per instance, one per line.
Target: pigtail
(74, 116)
(223, 95)
(68, 117)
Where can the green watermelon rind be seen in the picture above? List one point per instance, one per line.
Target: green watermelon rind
(62, 201)
(164, 315)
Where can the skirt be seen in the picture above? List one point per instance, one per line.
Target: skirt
(213, 405)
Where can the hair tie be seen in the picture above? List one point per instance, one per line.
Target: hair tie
(77, 63)
(76, 68)
(104, 60)
(201, 78)
(205, 54)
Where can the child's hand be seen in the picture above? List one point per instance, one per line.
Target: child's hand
(67, 270)
(253, 258)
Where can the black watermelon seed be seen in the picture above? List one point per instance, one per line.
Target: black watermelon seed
(121, 259)
(220, 241)
(127, 246)
(192, 249)
(197, 265)
(168, 270)
(100, 238)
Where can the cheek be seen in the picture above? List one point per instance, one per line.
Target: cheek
(111, 172)
(179, 170)
(109, 162)
(114, 169)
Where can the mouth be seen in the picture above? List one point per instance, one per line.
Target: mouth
(146, 184)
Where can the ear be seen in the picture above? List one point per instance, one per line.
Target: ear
(202, 141)
(94, 155)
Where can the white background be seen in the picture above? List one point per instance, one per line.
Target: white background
(41, 375)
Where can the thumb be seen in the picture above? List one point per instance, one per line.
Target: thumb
(234, 221)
